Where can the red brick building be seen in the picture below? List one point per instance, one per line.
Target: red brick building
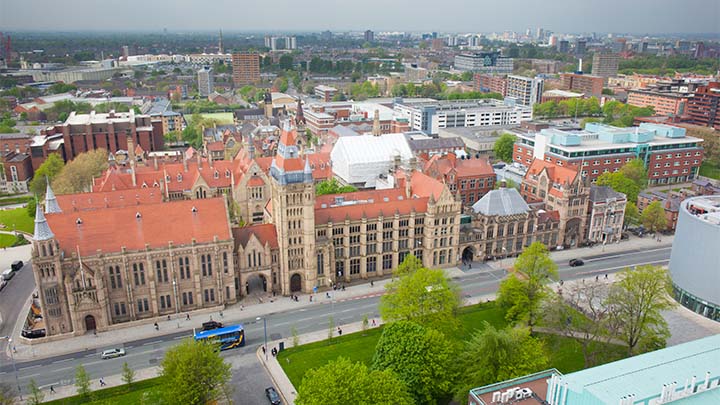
(16, 171)
(588, 84)
(491, 83)
(703, 106)
(84, 132)
(469, 179)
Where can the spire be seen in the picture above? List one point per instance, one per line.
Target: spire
(42, 229)
(51, 204)
(299, 116)
(376, 124)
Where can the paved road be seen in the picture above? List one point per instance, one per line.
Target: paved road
(12, 302)
(247, 373)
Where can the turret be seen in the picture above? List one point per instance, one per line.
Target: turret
(42, 228)
(51, 204)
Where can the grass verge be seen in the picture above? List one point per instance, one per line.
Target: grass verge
(710, 170)
(19, 218)
(142, 392)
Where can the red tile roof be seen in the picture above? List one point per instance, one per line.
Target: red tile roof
(216, 146)
(266, 233)
(288, 137)
(392, 194)
(473, 168)
(111, 229)
(109, 199)
(255, 181)
(370, 210)
(423, 185)
(557, 174)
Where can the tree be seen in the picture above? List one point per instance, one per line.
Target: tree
(631, 213)
(423, 295)
(342, 382)
(50, 168)
(36, 394)
(504, 147)
(653, 217)
(493, 355)
(31, 205)
(331, 328)
(128, 375)
(295, 337)
(365, 324)
(78, 174)
(620, 183)
(637, 300)
(194, 373)
(635, 171)
(522, 293)
(286, 62)
(332, 186)
(7, 394)
(82, 381)
(422, 358)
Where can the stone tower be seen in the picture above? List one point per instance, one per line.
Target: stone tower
(293, 213)
(376, 124)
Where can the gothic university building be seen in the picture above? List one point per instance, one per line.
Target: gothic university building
(157, 240)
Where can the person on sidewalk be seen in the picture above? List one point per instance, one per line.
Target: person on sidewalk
(102, 382)
(373, 322)
(187, 317)
(157, 327)
(372, 284)
(52, 389)
(339, 331)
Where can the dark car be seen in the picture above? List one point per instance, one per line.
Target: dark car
(576, 262)
(16, 265)
(210, 325)
(272, 396)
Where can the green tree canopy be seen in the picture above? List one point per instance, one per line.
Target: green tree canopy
(422, 295)
(50, 168)
(332, 186)
(194, 373)
(342, 382)
(493, 355)
(635, 171)
(422, 358)
(78, 174)
(82, 382)
(631, 213)
(637, 300)
(522, 293)
(503, 147)
(620, 183)
(653, 217)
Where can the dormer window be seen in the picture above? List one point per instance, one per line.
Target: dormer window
(138, 215)
(194, 209)
(216, 175)
(167, 178)
(144, 185)
(78, 221)
(179, 177)
(227, 173)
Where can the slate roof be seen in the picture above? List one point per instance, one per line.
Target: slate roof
(603, 193)
(503, 201)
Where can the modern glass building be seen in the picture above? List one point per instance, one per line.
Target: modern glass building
(695, 257)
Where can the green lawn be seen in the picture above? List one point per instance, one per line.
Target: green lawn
(565, 353)
(141, 392)
(224, 118)
(6, 240)
(709, 170)
(19, 218)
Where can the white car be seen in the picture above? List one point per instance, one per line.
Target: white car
(112, 353)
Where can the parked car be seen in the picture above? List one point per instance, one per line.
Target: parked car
(272, 396)
(3, 283)
(7, 274)
(624, 236)
(210, 325)
(16, 265)
(112, 353)
(576, 262)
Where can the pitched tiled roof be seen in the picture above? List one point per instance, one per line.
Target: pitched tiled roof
(111, 229)
(216, 146)
(266, 233)
(423, 185)
(255, 181)
(602, 193)
(109, 199)
(557, 174)
(503, 201)
(370, 210)
(545, 216)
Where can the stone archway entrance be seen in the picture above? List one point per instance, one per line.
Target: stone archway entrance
(295, 283)
(468, 254)
(256, 284)
(90, 323)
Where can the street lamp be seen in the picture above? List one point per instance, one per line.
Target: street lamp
(12, 357)
(265, 328)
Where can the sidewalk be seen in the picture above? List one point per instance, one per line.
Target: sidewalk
(250, 308)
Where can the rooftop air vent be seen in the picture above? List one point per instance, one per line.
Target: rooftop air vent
(194, 209)
(138, 215)
(78, 221)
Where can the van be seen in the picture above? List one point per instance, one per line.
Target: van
(7, 274)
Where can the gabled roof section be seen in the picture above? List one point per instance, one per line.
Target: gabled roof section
(265, 233)
(557, 174)
(423, 185)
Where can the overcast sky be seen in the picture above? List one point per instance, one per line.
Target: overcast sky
(632, 16)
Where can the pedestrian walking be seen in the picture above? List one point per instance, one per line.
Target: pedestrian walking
(597, 277)
(156, 326)
(310, 297)
(102, 382)
(52, 389)
(605, 276)
(264, 349)
(373, 322)
(327, 295)
(187, 317)
(168, 317)
(372, 284)
(339, 331)
(221, 314)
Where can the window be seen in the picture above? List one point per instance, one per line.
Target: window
(161, 270)
(120, 309)
(142, 305)
(354, 229)
(371, 248)
(387, 262)
(210, 295)
(354, 250)
(187, 298)
(226, 266)
(387, 246)
(354, 240)
(320, 263)
(339, 253)
(184, 266)
(206, 264)
(355, 266)
(387, 225)
(371, 227)
(139, 273)
(115, 279)
(371, 264)
(51, 296)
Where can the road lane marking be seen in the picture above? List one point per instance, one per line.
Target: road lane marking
(31, 367)
(623, 267)
(598, 259)
(152, 343)
(180, 337)
(62, 361)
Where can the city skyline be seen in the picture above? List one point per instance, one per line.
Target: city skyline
(566, 16)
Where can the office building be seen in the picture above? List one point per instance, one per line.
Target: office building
(484, 62)
(704, 107)
(490, 83)
(206, 84)
(695, 280)
(524, 90)
(430, 116)
(245, 68)
(580, 45)
(669, 155)
(326, 93)
(563, 46)
(664, 102)
(605, 64)
(683, 374)
(369, 36)
(588, 84)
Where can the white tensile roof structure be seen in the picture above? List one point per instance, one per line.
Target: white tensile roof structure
(360, 160)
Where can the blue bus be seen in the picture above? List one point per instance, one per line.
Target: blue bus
(227, 338)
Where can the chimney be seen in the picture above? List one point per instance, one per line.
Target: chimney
(408, 189)
(155, 163)
(185, 163)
